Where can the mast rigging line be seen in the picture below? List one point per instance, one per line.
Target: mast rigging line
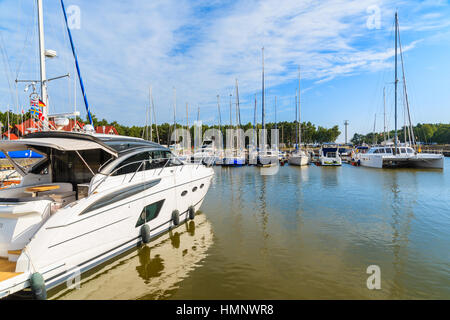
(76, 64)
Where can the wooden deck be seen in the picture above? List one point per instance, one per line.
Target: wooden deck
(7, 269)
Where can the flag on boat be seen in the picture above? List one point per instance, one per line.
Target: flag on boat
(41, 104)
(35, 111)
(41, 116)
(34, 103)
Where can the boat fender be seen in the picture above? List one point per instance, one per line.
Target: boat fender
(38, 286)
(191, 211)
(145, 233)
(176, 217)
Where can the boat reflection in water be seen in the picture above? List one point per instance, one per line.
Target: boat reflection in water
(152, 271)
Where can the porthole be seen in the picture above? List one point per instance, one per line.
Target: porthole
(184, 193)
(195, 189)
(202, 185)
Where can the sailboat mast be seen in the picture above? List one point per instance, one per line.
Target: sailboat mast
(231, 114)
(254, 112)
(43, 73)
(220, 117)
(175, 112)
(156, 123)
(374, 130)
(384, 108)
(299, 112)
(254, 122)
(187, 116)
(396, 83)
(150, 114)
(296, 118)
(276, 123)
(412, 138)
(263, 95)
(238, 108)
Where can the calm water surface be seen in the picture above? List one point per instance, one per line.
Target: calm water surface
(304, 233)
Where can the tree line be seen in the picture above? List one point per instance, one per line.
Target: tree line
(426, 133)
(288, 131)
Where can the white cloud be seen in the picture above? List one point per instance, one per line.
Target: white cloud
(202, 47)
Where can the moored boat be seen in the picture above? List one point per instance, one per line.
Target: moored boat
(91, 198)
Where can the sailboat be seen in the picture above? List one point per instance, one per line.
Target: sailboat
(299, 157)
(400, 155)
(234, 155)
(91, 198)
(208, 153)
(266, 156)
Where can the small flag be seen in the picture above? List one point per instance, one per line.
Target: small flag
(41, 104)
(35, 111)
(41, 116)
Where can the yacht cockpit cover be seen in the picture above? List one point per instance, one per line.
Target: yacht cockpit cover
(63, 144)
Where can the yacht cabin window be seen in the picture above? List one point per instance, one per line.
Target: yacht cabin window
(147, 160)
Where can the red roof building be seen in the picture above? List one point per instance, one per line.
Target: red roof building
(106, 130)
(31, 125)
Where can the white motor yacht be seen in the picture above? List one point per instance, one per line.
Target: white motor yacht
(207, 153)
(329, 156)
(91, 198)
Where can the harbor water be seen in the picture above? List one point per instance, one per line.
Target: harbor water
(303, 233)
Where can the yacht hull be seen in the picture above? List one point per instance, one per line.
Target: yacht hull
(417, 161)
(298, 161)
(62, 250)
(330, 162)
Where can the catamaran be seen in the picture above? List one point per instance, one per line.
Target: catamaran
(400, 155)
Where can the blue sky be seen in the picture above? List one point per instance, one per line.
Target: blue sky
(201, 48)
